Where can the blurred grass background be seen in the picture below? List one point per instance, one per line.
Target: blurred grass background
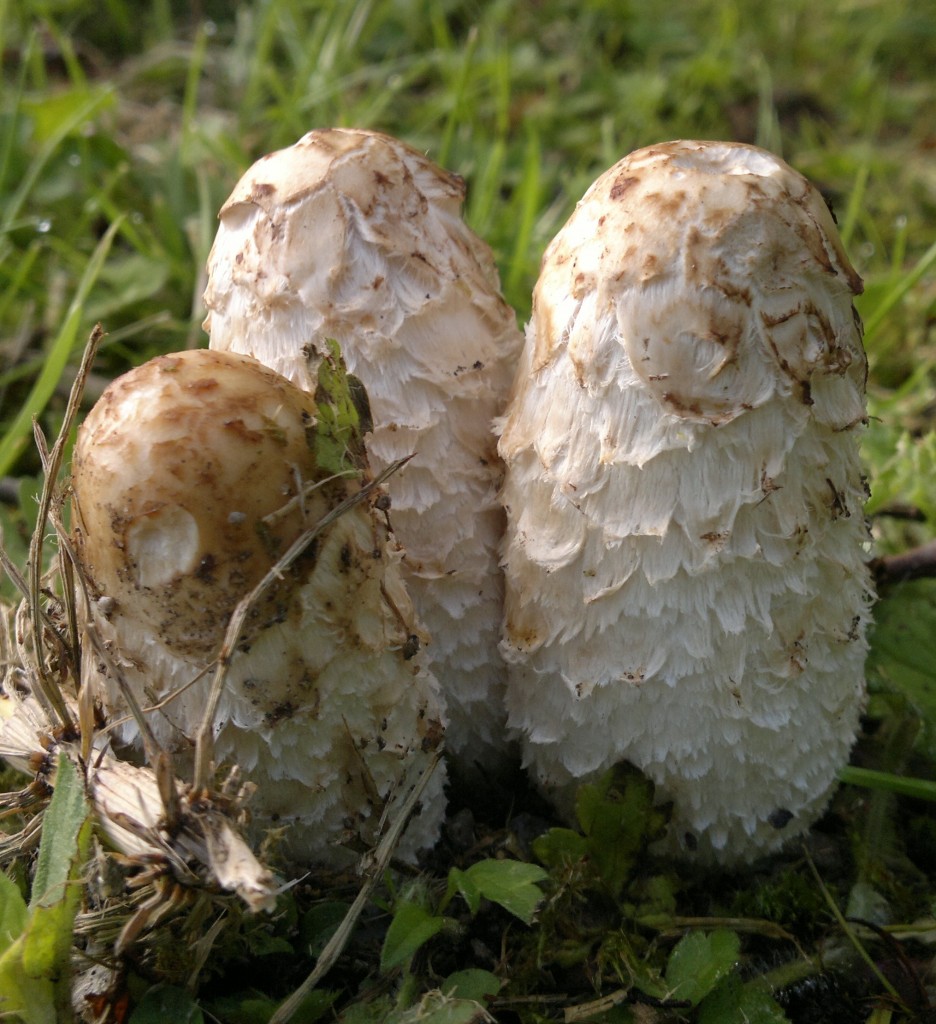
(123, 127)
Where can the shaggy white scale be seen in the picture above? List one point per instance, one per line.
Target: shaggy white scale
(192, 475)
(354, 236)
(685, 554)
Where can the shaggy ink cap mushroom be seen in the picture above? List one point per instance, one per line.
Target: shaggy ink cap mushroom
(192, 475)
(354, 236)
(685, 552)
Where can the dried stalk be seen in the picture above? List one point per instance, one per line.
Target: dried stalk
(51, 465)
(101, 651)
(373, 866)
(917, 563)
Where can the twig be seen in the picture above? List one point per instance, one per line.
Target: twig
(372, 875)
(19, 581)
(590, 1010)
(908, 513)
(204, 736)
(900, 956)
(150, 745)
(51, 464)
(298, 500)
(849, 931)
(909, 565)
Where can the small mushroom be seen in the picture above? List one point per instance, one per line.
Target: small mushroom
(354, 236)
(192, 476)
(686, 549)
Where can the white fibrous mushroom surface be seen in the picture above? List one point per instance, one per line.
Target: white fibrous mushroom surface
(192, 476)
(686, 546)
(354, 236)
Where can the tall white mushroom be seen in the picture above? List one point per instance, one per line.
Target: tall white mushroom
(192, 476)
(686, 581)
(353, 235)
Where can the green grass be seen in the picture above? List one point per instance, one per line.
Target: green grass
(123, 128)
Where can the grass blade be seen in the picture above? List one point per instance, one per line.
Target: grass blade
(874, 321)
(20, 430)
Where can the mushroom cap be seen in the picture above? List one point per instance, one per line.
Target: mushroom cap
(723, 265)
(353, 235)
(685, 553)
(192, 475)
(175, 473)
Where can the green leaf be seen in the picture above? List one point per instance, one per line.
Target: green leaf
(374, 1011)
(459, 1011)
(35, 968)
(655, 896)
(411, 927)
(618, 820)
(511, 884)
(62, 824)
(342, 418)
(699, 961)
(13, 912)
(434, 1008)
(22, 996)
(903, 650)
(319, 924)
(33, 1000)
(618, 816)
(264, 944)
(16, 527)
(471, 984)
(733, 1002)
(907, 281)
(646, 978)
(71, 106)
(254, 1008)
(461, 881)
(167, 1003)
(126, 283)
(560, 847)
(93, 104)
